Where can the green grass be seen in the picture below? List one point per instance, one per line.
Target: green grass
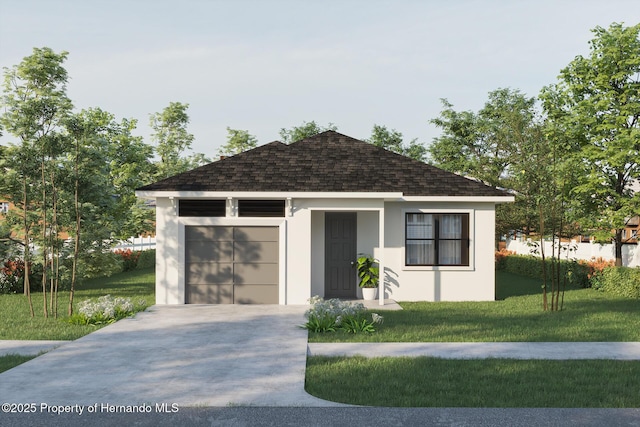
(11, 360)
(431, 382)
(588, 315)
(16, 323)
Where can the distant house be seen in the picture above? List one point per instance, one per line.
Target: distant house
(281, 223)
(630, 232)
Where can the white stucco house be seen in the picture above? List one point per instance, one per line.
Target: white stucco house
(281, 223)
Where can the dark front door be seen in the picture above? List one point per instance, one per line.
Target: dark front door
(339, 254)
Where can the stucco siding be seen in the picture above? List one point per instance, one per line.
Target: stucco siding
(168, 254)
(298, 257)
(473, 283)
(301, 250)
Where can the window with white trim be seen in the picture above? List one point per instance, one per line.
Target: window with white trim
(437, 239)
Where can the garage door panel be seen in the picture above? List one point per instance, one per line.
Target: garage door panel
(227, 265)
(209, 233)
(247, 252)
(209, 272)
(255, 294)
(259, 274)
(208, 294)
(203, 251)
(255, 234)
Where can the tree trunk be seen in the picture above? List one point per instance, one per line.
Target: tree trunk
(76, 243)
(27, 251)
(544, 267)
(44, 241)
(618, 247)
(55, 252)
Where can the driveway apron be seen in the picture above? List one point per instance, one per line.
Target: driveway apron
(191, 355)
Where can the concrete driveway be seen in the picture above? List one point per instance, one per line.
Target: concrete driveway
(191, 355)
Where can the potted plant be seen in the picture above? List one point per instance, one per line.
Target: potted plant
(369, 275)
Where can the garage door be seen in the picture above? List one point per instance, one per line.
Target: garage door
(231, 265)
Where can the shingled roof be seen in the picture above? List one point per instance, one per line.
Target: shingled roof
(327, 162)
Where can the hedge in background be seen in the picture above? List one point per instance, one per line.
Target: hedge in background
(132, 260)
(147, 259)
(622, 281)
(531, 266)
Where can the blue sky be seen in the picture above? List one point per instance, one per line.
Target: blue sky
(265, 65)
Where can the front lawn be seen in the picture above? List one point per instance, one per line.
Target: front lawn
(498, 383)
(588, 315)
(16, 323)
(12, 360)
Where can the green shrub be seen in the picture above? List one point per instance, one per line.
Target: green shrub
(129, 258)
(93, 264)
(334, 314)
(147, 259)
(531, 266)
(12, 277)
(105, 310)
(622, 281)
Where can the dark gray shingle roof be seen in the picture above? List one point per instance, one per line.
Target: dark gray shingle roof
(327, 162)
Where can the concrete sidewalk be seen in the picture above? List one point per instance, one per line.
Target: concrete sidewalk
(483, 350)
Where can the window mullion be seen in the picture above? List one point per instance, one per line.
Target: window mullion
(436, 235)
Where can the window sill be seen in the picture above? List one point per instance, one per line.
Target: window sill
(438, 268)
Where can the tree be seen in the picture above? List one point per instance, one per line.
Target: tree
(496, 145)
(172, 139)
(597, 102)
(305, 130)
(35, 105)
(392, 141)
(510, 144)
(237, 142)
(89, 186)
(130, 167)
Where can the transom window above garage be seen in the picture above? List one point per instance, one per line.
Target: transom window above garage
(202, 208)
(261, 208)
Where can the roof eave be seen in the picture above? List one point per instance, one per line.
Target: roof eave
(387, 196)
(267, 195)
(484, 199)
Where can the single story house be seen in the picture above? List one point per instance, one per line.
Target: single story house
(281, 223)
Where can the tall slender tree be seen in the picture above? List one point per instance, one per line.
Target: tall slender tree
(35, 104)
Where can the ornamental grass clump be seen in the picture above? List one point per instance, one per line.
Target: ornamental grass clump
(105, 310)
(333, 315)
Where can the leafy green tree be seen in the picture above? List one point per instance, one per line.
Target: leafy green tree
(172, 140)
(35, 104)
(597, 102)
(305, 130)
(237, 142)
(392, 141)
(496, 145)
(510, 144)
(90, 190)
(130, 167)
(481, 144)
